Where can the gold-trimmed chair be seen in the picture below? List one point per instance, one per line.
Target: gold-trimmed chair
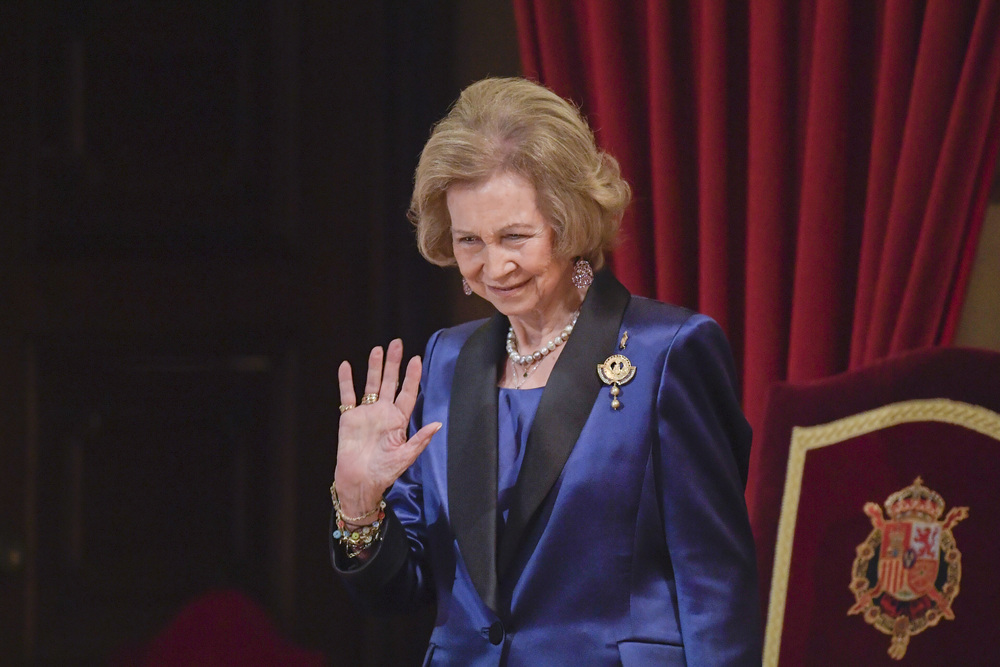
(874, 497)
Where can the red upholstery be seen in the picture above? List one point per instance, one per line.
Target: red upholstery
(932, 414)
(222, 629)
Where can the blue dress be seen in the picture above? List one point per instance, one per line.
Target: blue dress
(517, 408)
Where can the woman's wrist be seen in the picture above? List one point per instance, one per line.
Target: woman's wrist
(356, 500)
(357, 533)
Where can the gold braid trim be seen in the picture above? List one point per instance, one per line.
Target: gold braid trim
(805, 438)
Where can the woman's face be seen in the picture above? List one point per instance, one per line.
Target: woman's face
(504, 247)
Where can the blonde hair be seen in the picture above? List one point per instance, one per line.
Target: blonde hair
(515, 125)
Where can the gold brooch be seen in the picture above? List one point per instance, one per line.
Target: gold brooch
(616, 371)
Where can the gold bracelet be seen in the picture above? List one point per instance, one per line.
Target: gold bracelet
(354, 519)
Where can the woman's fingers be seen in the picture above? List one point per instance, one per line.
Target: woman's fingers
(390, 376)
(374, 377)
(382, 379)
(411, 386)
(422, 438)
(346, 381)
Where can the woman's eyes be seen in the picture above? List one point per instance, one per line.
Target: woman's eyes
(474, 240)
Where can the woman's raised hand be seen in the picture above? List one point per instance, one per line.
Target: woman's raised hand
(373, 450)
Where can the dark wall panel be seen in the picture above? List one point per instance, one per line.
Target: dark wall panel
(202, 212)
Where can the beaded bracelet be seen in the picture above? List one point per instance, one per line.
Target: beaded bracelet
(356, 538)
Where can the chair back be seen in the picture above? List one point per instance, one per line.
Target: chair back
(874, 498)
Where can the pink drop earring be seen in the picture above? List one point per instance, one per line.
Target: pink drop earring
(583, 274)
(466, 288)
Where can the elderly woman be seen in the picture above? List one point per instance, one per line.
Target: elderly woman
(565, 479)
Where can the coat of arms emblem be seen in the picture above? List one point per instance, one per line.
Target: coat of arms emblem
(907, 572)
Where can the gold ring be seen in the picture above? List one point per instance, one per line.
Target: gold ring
(345, 408)
(369, 399)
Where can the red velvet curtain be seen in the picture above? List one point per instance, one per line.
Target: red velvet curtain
(810, 173)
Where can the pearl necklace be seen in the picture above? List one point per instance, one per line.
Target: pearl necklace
(530, 361)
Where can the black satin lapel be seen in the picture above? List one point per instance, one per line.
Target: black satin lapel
(472, 454)
(566, 404)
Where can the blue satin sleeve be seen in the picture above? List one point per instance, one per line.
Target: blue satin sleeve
(701, 465)
(397, 577)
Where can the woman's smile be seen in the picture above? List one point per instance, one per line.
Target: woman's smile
(506, 290)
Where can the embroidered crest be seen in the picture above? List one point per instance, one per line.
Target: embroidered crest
(907, 572)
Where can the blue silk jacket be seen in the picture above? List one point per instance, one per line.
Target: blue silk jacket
(627, 542)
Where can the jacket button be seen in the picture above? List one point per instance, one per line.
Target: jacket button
(496, 633)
